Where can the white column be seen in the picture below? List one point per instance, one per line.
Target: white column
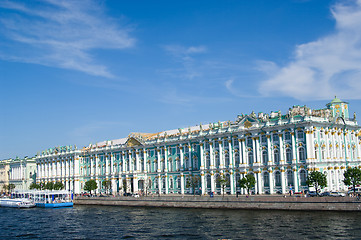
(212, 182)
(282, 158)
(254, 150)
(269, 152)
(166, 162)
(181, 158)
(231, 179)
(182, 183)
(271, 182)
(201, 147)
(259, 182)
(295, 179)
(221, 155)
(137, 161)
(203, 185)
(211, 154)
(283, 183)
(244, 156)
(230, 154)
(145, 162)
(294, 152)
(190, 165)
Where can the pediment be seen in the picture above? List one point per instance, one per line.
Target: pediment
(247, 121)
(131, 142)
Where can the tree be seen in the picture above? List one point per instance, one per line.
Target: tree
(11, 187)
(34, 186)
(58, 186)
(107, 184)
(352, 176)
(193, 182)
(223, 183)
(317, 180)
(49, 186)
(90, 185)
(247, 182)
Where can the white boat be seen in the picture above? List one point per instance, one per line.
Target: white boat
(16, 203)
(48, 198)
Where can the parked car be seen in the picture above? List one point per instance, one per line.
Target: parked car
(127, 194)
(338, 194)
(312, 194)
(136, 195)
(325, 194)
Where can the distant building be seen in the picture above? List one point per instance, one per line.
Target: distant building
(4, 175)
(278, 149)
(22, 172)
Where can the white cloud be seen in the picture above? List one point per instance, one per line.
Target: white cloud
(185, 56)
(60, 33)
(323, 68)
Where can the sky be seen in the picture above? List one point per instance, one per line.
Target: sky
(84, 71)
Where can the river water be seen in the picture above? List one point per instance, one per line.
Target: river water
(103, 222)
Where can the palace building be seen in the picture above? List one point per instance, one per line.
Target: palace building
(279, 149)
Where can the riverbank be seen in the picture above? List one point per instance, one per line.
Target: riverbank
(265, 202)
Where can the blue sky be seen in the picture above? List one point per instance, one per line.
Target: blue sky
(80, 72)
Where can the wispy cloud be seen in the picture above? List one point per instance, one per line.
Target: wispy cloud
(185, 56)
(325, 67)
(60, 33)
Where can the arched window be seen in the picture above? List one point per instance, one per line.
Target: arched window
(264, 157)
(275, 137)
(217, 159)
(266, 179)
(228, 178)
(290, 178)
(226, 160)
(323, 153)
(209, 181)
(218, 185)
(164, 179)
(278, 179)
(208, 161)
(301, 154)
(276, 155)
(289, 155)
(236, 159)
(195, 163)
(287, 135)
(171, 183)
(264, 139)
(250, 158)
(238, 177)
(178, 182)
(300, 134)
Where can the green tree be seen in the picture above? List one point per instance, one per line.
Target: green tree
(247, 182)
(193, 182)
(317, 179)
(34, 186)
(90, 185)
(58, 185)
(352, 177)
(222, 181)
(107, 184)
(49, 186)
(11, 187)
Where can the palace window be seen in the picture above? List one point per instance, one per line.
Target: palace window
(300, 134)
(209, 181)
(301, 154)
(275, 137)
(264, 157)
(208, 161)
(278, 179)
(171, 183)
(226, 159)
(236, 159)
(250, 158)
(288, 136)
(217, 159)
(289, 155)
(266, 179)
(290, 178)
(249, 142)
(264, 138)
(303, 177)
(276, 155)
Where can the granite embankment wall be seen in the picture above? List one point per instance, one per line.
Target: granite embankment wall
(230, 202)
